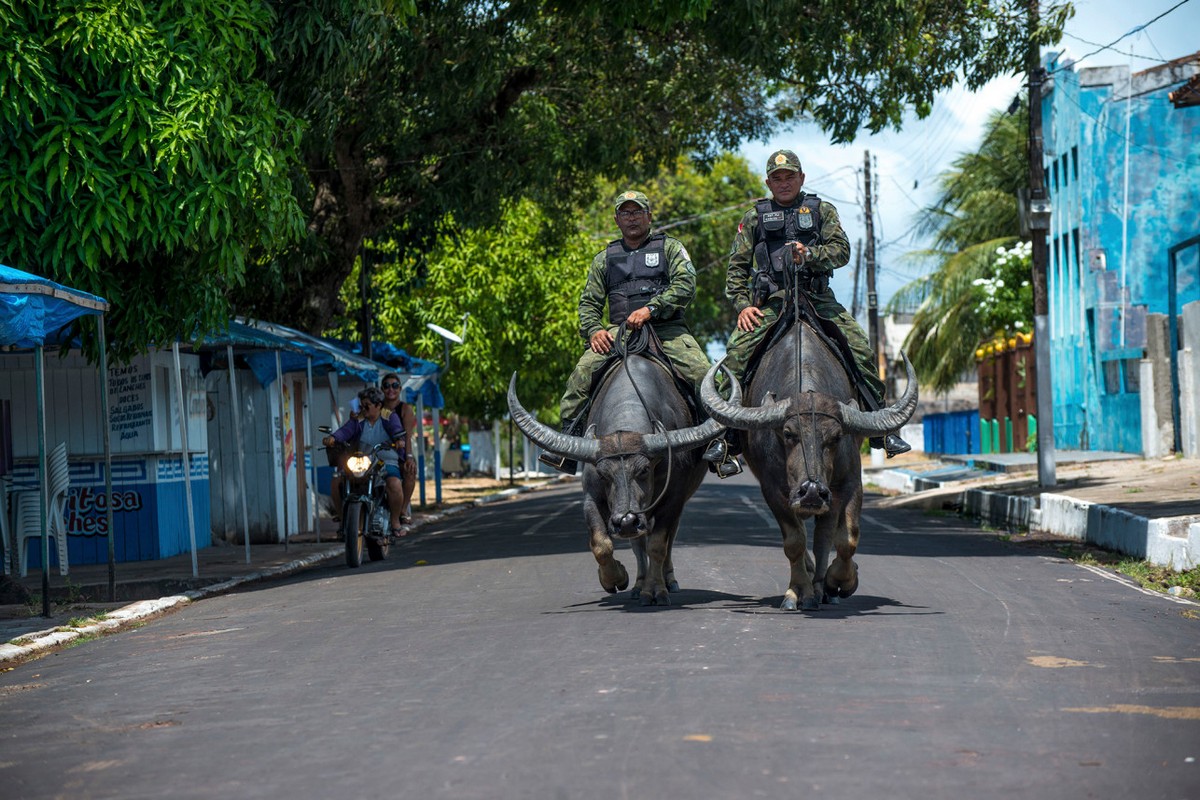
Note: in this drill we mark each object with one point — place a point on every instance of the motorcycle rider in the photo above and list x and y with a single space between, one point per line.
375 425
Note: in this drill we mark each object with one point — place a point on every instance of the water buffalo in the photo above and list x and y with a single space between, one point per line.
804 450
642 463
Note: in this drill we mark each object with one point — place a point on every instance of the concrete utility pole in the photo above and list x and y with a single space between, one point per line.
872 297
854 304
1039 223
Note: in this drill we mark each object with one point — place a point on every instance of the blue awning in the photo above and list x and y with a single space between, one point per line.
33 308
343 361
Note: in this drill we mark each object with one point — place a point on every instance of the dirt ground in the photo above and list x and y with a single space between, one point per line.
467 489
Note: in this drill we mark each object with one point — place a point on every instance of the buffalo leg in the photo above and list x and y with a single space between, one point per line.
841 579
668 564
612 573
654 590
643 566
795 547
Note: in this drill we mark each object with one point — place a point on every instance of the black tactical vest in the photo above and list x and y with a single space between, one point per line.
633 277
777 227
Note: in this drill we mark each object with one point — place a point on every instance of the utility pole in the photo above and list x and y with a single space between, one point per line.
854 305
872 297
1039 223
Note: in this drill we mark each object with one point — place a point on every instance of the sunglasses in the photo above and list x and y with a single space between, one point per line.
391 385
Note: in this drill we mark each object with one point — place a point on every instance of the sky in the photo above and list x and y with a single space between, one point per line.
905 164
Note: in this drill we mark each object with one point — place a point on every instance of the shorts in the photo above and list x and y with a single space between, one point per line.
392 471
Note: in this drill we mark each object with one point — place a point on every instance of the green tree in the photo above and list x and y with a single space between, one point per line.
979 286
521 291
455 110
141 159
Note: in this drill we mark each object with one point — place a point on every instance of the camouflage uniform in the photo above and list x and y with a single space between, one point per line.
665 315
832 251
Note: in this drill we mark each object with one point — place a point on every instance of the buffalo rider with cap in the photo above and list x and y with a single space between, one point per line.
641 278
756 284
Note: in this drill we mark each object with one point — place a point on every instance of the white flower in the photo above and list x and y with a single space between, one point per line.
1018 324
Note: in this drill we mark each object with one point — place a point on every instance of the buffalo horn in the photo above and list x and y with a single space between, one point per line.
545 437
885 420
732 413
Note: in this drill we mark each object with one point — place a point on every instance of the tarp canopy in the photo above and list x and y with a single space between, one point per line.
33 308
324 353
258 348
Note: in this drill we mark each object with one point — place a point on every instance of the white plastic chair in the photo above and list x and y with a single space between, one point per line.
28 522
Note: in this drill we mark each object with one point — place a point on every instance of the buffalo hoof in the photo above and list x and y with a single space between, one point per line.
618 585
673 585
788 604
810 603
660 599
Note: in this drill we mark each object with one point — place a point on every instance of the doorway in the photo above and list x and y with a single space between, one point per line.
1183 287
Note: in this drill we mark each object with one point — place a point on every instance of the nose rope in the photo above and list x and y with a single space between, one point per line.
632 344
808 475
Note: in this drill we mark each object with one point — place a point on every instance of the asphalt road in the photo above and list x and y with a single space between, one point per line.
483 660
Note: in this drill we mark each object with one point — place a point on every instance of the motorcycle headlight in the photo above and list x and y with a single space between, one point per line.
358 464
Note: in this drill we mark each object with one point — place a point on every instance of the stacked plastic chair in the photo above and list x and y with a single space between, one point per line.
28 523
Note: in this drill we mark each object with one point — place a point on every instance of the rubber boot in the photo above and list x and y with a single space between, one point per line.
559 462
891 444
721 455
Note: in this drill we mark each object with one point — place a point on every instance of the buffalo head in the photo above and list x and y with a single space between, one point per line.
628 468
816 434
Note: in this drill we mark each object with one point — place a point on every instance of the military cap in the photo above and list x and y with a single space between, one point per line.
783 159
636 197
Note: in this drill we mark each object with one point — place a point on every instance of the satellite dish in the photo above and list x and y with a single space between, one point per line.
445 334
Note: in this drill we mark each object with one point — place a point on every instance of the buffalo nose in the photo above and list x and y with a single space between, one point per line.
624 524
813 494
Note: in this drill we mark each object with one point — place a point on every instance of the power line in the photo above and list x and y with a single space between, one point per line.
1131 32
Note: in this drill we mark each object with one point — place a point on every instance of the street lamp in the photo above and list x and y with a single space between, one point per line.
447 338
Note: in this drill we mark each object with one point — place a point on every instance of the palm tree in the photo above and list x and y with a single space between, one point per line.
975 290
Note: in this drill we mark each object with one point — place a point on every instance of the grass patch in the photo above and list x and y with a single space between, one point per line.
1149 576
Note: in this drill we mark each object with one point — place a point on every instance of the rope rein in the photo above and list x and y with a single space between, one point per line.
631 344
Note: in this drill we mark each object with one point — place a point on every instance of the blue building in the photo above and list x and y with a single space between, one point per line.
1123 174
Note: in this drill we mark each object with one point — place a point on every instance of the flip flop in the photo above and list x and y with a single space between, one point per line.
396 533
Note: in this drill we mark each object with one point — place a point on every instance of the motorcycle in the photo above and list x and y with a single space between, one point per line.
364 502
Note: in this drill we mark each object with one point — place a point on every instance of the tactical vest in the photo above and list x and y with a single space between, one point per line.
777 226
633 278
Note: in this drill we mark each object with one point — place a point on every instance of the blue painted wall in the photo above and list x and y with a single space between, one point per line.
1123 172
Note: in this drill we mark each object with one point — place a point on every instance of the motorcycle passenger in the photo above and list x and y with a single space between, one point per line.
377 425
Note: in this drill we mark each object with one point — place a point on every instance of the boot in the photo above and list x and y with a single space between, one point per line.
562 463
721 455
891 444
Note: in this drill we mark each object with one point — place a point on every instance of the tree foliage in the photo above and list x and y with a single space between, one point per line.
521 287
979 287
142 160
456 109
521 292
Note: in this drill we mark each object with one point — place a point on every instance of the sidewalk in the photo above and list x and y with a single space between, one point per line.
145 589
1149 509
